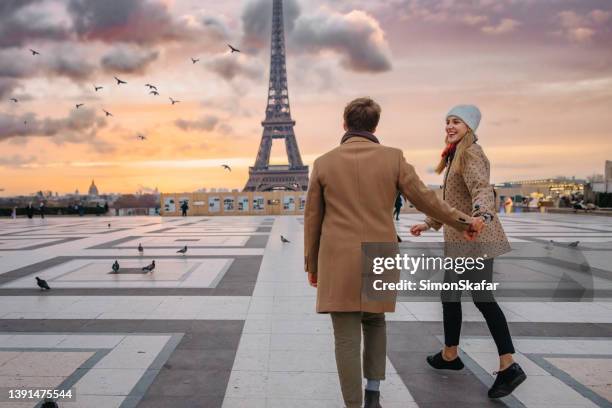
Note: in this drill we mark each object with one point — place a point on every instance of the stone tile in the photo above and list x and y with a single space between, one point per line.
108 381
44 363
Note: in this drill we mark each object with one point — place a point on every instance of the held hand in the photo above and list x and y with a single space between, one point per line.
312 279
418 228
474 229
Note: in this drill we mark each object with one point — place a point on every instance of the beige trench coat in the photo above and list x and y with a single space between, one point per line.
472 193
351 194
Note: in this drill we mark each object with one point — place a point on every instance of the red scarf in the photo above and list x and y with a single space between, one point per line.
449 150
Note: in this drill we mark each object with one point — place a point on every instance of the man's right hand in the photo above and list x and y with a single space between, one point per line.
474 229
418 228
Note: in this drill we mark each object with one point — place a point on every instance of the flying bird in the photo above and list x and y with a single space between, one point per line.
284 240
149 268
14 100
151 86
573 244
119 81
140 249
107 113
78 105
226 167
142 137
116 267
194 60
182 250
173 101
34 52
233 49
42 284
154 93
97 88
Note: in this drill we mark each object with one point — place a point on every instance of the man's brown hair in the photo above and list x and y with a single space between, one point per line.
362 114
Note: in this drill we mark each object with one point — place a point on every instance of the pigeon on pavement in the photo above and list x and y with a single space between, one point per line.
42 284
149 268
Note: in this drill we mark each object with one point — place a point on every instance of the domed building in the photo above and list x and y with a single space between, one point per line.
93 190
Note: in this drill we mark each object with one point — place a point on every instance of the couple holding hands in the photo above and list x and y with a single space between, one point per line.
351 193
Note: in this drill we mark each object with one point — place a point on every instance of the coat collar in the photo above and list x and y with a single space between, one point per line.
362 134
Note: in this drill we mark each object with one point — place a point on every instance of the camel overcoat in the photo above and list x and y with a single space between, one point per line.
472 193
350 197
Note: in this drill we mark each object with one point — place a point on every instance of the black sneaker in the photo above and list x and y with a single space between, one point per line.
507 380
437 362
371 399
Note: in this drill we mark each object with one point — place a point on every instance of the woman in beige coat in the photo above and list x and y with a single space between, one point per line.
467 188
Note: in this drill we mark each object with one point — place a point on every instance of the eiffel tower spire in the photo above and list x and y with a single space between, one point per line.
278 123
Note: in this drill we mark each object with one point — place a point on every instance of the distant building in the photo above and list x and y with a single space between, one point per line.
605 184
93 190
550 188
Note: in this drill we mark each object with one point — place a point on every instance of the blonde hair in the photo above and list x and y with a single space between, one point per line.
459 158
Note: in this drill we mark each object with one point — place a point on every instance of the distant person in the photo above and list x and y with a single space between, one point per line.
184 208
467 187
14 213
341 213
508 205
106 207
30 210
41 208
398 206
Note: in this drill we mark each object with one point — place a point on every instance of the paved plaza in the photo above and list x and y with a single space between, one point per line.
231 323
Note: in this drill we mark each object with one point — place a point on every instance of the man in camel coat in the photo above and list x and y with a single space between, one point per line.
352 189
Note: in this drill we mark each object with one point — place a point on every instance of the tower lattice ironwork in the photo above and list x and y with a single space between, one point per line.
278 123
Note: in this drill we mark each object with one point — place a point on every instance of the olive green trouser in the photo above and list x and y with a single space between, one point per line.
347 334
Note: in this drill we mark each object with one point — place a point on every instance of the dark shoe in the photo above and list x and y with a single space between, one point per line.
507 380
437 362
372 399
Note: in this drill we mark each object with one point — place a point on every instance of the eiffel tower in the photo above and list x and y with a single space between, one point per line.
278 124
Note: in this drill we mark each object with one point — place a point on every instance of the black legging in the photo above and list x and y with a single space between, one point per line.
484 301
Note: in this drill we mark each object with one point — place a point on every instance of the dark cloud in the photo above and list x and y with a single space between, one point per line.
207 123
356 36
7 86
135 21
215 27
80 126
63 60
230 66
70 66
14 63
128 60
23 21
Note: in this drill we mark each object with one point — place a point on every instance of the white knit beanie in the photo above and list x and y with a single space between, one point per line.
469 114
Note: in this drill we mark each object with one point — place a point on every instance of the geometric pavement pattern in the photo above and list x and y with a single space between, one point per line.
232 322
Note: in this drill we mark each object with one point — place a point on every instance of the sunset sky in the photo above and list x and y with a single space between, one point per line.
540 71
